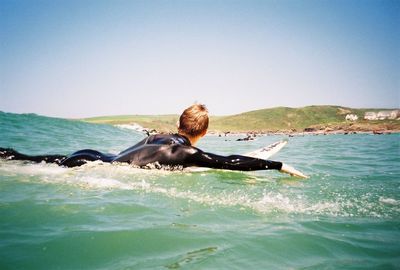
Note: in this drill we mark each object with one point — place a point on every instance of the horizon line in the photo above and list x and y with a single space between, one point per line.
219 115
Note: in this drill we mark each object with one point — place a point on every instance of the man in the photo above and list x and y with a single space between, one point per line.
166 149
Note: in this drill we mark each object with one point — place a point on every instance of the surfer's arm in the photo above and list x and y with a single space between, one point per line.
233 162
186 156
11 154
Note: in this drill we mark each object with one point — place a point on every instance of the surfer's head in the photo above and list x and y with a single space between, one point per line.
193 122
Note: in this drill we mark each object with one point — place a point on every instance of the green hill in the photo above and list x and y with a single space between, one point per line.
265 120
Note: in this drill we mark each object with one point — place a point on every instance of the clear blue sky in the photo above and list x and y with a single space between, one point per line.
88 58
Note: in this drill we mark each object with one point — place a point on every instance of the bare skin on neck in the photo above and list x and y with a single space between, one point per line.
193 139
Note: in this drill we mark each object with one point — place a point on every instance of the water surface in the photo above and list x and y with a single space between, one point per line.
108 216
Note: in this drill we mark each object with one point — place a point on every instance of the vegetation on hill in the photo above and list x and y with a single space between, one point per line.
265 120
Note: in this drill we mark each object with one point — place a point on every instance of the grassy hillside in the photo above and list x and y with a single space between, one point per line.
281 118
296 119
274 119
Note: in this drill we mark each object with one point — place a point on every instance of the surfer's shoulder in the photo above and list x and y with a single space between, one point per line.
168 139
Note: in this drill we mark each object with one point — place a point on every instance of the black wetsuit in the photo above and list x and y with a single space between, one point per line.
171 150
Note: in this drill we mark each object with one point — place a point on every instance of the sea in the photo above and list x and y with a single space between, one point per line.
114 216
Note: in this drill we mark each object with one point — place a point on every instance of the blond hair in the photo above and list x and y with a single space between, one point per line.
194 120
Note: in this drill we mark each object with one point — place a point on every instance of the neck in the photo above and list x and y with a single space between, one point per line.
193 140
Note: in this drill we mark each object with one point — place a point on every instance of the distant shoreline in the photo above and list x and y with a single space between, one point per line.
280 120
295 134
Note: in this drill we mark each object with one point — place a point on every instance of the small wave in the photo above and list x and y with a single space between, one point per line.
199 188
192 257
134 126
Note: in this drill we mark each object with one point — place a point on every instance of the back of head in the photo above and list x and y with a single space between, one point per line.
194 121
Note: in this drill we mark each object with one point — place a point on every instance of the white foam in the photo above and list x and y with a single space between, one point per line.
108 183
133 126
99 175
31 169
389 201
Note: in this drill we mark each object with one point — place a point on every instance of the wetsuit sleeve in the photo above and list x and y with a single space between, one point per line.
233 162
11 154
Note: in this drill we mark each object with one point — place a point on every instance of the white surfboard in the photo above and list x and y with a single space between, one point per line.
267 151
262 153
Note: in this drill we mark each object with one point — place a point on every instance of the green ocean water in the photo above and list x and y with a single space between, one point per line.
108 216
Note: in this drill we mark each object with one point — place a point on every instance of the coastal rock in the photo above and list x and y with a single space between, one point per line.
309 129
250 137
